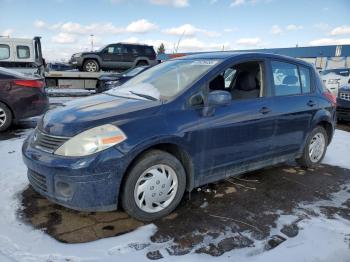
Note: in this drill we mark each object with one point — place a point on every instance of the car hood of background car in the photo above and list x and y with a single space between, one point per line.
82 114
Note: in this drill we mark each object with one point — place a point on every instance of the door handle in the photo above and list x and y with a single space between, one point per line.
311 103
265 110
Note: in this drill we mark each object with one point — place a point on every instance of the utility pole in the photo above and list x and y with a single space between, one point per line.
92 43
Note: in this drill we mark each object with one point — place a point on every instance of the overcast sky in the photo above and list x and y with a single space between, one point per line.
66 25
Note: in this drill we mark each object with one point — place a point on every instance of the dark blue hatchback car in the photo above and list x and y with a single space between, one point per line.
181 124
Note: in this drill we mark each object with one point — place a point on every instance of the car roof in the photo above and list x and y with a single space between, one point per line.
222 55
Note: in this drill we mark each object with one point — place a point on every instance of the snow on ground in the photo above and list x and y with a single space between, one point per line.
320 239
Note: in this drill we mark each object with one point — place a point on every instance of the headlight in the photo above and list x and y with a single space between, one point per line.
333 81
112 82
91 141
77 55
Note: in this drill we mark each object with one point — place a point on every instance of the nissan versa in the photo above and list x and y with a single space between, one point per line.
181 124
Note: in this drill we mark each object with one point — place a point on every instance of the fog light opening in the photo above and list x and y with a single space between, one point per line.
64 189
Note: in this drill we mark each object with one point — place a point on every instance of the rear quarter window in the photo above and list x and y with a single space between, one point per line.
305 77
4 51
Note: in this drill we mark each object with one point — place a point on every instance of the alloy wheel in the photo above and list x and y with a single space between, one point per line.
3 117
156 188
91 67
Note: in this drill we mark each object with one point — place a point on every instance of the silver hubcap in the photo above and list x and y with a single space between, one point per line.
2 117
156 188
317 147
91 67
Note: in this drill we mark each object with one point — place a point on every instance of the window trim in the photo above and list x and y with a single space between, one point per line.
9 48
17 49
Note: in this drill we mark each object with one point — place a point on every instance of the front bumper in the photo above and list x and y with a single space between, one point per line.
343 109
76 62
86 183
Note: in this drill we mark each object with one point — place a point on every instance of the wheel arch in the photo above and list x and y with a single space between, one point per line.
10 108
172 148
325 119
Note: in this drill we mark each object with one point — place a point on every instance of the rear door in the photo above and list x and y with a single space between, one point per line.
294 105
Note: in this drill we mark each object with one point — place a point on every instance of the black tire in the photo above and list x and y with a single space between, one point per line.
141 63
148 160
305 160
5 117
91 65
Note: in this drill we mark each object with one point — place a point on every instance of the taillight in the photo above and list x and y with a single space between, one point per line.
30 83
330 97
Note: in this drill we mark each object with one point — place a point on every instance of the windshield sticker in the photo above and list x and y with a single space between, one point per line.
205 62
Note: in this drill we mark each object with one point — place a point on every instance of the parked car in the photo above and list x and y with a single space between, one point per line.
109 81
59 67
334 78
21 96
178 126
115 56
343 103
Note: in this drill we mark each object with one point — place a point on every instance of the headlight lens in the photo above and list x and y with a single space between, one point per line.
112 82
77 55
333 81
91 141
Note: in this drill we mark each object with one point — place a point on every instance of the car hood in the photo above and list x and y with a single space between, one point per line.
82 114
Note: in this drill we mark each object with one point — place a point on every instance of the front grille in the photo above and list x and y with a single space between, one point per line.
47 142
345 96
38 181
343 110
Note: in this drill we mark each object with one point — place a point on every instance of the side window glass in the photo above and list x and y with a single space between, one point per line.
4 52
285 78
305 79
110 49
23 52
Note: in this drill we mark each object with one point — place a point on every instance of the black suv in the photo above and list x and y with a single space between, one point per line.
114 56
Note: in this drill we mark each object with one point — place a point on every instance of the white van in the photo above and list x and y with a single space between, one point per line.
22 55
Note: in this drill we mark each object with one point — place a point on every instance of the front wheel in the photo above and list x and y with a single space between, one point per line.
315 148
91 66
154 186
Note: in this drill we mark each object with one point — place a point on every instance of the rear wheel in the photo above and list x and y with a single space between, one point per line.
91 66
315 148
154 186
5 117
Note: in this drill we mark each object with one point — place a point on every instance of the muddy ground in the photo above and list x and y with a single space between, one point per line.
213 219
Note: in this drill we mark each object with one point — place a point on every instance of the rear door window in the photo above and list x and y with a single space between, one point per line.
286 78
305 78
4 51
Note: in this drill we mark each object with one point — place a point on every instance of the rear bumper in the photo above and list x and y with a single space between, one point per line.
86 183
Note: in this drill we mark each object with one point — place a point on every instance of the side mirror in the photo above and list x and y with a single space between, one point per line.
216 98
219 98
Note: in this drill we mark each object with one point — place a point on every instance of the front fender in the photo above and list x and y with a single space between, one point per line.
95 57
131 153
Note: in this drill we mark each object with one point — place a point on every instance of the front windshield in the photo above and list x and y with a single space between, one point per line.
134 71
101 48
166 80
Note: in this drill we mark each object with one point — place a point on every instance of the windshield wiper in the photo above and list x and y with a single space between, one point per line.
144 96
